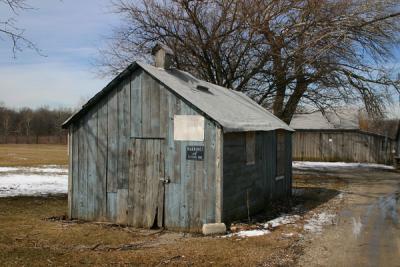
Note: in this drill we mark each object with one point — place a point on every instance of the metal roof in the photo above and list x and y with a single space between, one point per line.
341 119
233 110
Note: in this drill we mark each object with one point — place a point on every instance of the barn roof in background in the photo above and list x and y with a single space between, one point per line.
389 128
233 110
346 119
341 119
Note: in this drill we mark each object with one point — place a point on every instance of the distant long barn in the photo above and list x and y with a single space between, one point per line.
159 147
341 137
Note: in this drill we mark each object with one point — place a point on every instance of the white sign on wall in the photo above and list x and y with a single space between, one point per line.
188 128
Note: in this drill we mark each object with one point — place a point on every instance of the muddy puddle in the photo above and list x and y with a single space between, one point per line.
367 230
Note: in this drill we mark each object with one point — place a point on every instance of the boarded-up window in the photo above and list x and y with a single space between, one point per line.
250 148
188 128
280 153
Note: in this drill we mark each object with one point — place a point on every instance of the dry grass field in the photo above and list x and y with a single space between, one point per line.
34 231
27 238
32 155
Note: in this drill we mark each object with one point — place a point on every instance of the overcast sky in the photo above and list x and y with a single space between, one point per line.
69 33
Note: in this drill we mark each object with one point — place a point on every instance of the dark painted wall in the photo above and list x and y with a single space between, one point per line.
250 187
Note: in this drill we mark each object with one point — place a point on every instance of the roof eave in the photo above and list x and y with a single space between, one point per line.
99 95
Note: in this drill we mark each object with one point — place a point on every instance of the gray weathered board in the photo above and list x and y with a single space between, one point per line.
102 141
124 146
342 145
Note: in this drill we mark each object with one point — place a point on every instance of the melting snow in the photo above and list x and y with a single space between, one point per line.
33 181
250 233
316 223
284 219
306 165
357 226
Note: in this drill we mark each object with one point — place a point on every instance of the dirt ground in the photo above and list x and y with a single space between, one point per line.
34 232
32 155
27 238
364 231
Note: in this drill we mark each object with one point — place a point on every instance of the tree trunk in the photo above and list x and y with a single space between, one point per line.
291 105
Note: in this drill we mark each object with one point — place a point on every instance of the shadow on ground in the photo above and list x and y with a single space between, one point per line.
303 200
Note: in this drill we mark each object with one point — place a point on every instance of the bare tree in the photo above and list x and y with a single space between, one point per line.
26 115
9 29
326 53
285 54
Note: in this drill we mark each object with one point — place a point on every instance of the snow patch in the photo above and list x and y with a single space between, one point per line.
316 223
40 169
251 233
33 181
284 219
357 226
307 165
287 235
248 233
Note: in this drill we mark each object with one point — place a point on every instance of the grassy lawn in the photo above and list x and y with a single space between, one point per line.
32 155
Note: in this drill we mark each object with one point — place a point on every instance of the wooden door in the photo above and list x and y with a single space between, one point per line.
146 187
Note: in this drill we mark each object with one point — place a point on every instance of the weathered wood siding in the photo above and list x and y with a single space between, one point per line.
101 143
346 146
248 188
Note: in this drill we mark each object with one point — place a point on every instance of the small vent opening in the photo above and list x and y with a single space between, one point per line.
202 88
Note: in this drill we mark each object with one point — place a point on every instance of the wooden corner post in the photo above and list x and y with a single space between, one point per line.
219 175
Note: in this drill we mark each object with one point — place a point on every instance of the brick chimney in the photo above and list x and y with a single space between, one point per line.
162 56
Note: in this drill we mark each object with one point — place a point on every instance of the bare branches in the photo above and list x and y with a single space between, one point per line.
10 31
284 53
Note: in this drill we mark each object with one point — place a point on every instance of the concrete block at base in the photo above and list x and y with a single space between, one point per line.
214 228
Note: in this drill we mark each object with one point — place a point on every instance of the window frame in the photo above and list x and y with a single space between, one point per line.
280 155
250 147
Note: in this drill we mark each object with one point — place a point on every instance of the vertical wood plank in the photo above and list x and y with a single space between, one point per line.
164 112
122 206
208 207
161 186
83 170
136 104
147 82
219 175
112 141
172 168
101 163
75 171
112 206
155 115
91 133
123 133
138 185
131 182
70 170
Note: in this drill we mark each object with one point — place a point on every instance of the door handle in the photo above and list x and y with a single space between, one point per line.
165 180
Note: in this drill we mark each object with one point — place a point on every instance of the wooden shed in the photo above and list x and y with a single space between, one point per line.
342 137
159 147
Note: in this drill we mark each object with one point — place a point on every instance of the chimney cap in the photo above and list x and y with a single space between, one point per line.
161 46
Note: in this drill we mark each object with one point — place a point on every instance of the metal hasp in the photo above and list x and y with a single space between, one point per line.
165 180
